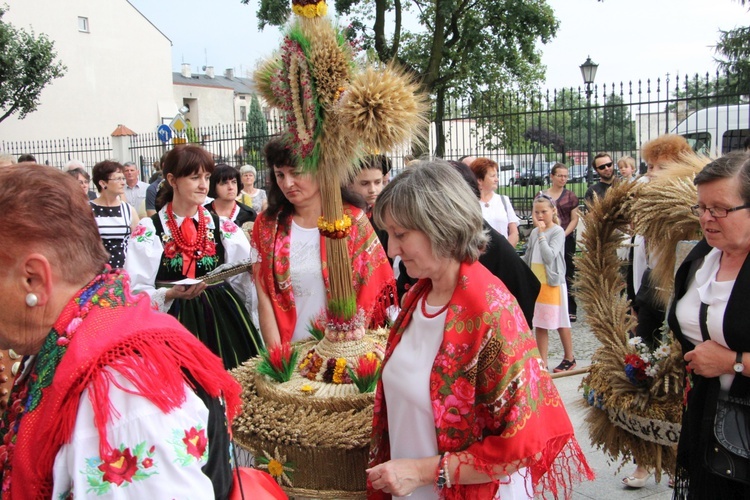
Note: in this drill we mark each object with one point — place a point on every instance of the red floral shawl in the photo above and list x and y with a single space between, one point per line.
371 271
490 396
150 349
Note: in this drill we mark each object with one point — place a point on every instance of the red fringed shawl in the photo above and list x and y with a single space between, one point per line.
149 349
371 272
490 396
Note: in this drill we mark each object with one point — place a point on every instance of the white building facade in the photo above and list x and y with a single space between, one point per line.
118 70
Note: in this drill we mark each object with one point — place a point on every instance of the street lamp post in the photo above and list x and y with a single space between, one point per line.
588 71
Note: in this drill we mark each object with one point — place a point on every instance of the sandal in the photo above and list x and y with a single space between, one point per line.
572 318
565 366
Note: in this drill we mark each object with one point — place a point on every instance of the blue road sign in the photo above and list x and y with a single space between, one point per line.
164 132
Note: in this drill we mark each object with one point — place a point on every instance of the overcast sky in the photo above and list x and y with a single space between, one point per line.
629 39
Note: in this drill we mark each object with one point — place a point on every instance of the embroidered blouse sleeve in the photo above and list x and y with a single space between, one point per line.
237 248
142 263
156 455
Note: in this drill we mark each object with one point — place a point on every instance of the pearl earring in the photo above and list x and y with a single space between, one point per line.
31 300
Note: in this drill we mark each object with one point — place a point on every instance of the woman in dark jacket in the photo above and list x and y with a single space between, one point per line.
708 316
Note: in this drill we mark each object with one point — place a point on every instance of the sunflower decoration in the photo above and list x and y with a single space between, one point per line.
277 467
634 392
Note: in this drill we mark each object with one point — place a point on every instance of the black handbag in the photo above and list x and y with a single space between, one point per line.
728 451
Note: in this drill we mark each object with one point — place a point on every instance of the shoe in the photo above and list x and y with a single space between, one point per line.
634 482
565 366
572 318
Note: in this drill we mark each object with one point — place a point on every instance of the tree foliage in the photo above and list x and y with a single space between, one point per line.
734 51
256 132
27 65
459 46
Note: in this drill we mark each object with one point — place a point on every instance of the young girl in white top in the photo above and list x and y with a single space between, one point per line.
545 255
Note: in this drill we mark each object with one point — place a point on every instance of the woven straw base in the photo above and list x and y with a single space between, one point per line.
323 434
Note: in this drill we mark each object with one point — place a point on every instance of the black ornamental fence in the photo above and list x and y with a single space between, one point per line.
525 132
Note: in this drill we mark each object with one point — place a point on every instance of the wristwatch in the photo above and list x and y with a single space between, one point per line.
738 366
441 480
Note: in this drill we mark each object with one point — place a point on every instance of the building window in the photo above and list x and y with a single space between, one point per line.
243 113
83 24
242 98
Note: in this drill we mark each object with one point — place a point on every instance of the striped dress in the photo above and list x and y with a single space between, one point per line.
114 228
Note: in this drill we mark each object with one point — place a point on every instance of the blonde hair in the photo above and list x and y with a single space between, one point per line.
543 198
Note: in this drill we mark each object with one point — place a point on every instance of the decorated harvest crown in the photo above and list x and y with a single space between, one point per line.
335 112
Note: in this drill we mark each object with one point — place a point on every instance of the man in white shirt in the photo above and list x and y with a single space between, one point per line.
135 189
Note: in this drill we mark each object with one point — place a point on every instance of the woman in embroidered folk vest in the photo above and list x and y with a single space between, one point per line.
113 399
183 240
709 317
464 408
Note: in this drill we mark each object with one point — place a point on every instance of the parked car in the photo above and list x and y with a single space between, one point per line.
578 173
535 175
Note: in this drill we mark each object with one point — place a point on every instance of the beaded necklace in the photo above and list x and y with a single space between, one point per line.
105 290
199 245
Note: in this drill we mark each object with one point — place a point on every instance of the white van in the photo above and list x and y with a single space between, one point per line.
716 130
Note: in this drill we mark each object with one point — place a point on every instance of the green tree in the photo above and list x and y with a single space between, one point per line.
461 45
27 65
256 132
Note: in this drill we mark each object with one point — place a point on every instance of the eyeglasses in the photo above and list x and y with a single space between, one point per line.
716 213
604 165
116 179
561 176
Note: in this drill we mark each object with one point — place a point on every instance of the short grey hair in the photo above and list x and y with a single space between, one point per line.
130 163
73 164
248 168
732 165
433 198
6 159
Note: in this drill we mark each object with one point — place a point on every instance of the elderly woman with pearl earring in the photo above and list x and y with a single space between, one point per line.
110 393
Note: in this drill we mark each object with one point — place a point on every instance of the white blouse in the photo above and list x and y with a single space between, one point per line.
703 287
156 460
306 270
496 215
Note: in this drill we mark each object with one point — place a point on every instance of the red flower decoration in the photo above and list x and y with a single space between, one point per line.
209 248
120 466
228 226
147 462
170 249
196 442
138 231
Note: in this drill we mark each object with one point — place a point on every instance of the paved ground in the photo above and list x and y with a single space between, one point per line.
607 485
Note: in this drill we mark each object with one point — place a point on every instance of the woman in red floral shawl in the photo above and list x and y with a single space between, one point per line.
291 275
112 399
464 408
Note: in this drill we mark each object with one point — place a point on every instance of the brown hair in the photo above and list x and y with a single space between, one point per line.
481 165
103 170
182 161
62 228
556 167
668 147
600 155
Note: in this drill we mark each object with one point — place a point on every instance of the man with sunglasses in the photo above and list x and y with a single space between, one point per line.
605 167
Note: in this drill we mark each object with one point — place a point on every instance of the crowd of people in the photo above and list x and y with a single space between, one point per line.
433 251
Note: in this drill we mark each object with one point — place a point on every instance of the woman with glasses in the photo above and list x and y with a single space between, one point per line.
567 211
708 315
115 218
